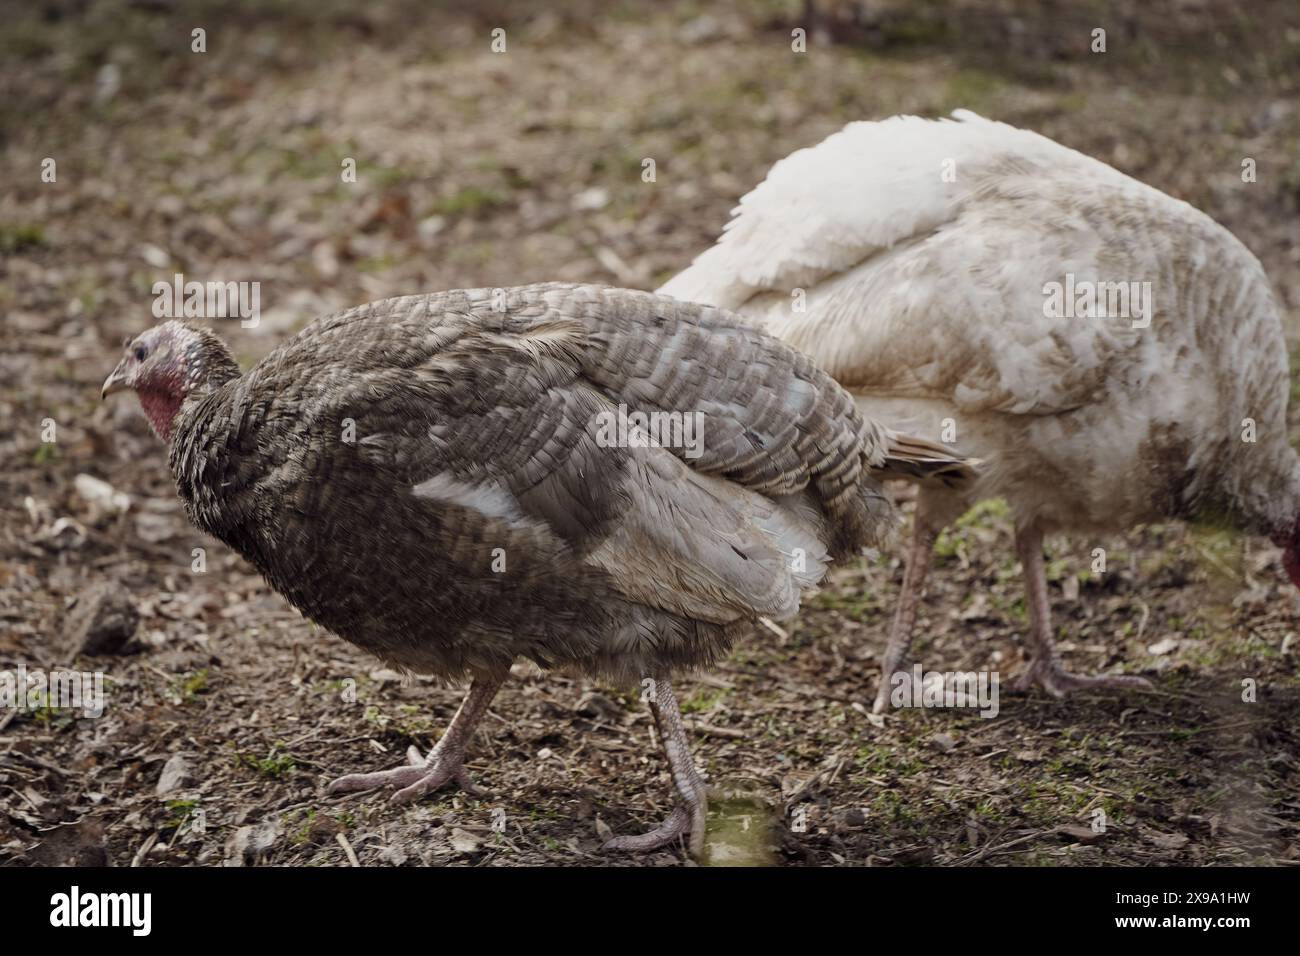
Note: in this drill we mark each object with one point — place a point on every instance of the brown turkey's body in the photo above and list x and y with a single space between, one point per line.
432 478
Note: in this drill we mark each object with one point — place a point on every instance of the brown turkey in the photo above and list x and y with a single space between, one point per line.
435 479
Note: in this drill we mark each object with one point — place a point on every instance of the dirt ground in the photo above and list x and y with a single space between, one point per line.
481 169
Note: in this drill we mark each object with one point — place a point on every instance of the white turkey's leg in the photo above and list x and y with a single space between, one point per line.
446 761
687 818
919 555
1045 669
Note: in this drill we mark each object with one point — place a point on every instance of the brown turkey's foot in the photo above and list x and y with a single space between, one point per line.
446 761
688 816
418 778
1059 682
682 822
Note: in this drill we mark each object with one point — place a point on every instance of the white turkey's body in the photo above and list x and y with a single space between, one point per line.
934 302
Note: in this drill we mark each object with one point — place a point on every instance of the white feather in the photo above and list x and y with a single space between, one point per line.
922 250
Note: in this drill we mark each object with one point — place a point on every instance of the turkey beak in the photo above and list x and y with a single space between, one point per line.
116 381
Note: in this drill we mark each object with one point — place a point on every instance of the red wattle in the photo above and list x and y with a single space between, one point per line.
160 408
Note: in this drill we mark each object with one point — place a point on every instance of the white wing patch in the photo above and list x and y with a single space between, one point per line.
490 500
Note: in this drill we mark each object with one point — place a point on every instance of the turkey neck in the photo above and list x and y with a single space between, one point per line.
209 364
1268 489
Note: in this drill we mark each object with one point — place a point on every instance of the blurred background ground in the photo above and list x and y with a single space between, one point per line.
482 169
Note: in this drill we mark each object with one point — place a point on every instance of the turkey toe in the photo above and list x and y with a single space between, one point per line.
1059 682
397 777
413 782
682 822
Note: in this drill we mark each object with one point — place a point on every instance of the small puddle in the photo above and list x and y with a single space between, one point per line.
739 834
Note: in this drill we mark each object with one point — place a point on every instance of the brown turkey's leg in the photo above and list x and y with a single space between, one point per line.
1045 670
687 818
919 555
446 761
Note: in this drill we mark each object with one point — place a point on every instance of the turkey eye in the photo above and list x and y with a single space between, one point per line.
140 353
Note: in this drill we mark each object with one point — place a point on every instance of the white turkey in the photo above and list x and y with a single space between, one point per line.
1112 354
442 480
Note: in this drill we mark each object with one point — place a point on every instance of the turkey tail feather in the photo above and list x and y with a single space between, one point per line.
920 460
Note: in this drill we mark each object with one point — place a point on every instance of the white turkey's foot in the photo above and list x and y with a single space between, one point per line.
682 822
1059 682
900 632
418 778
